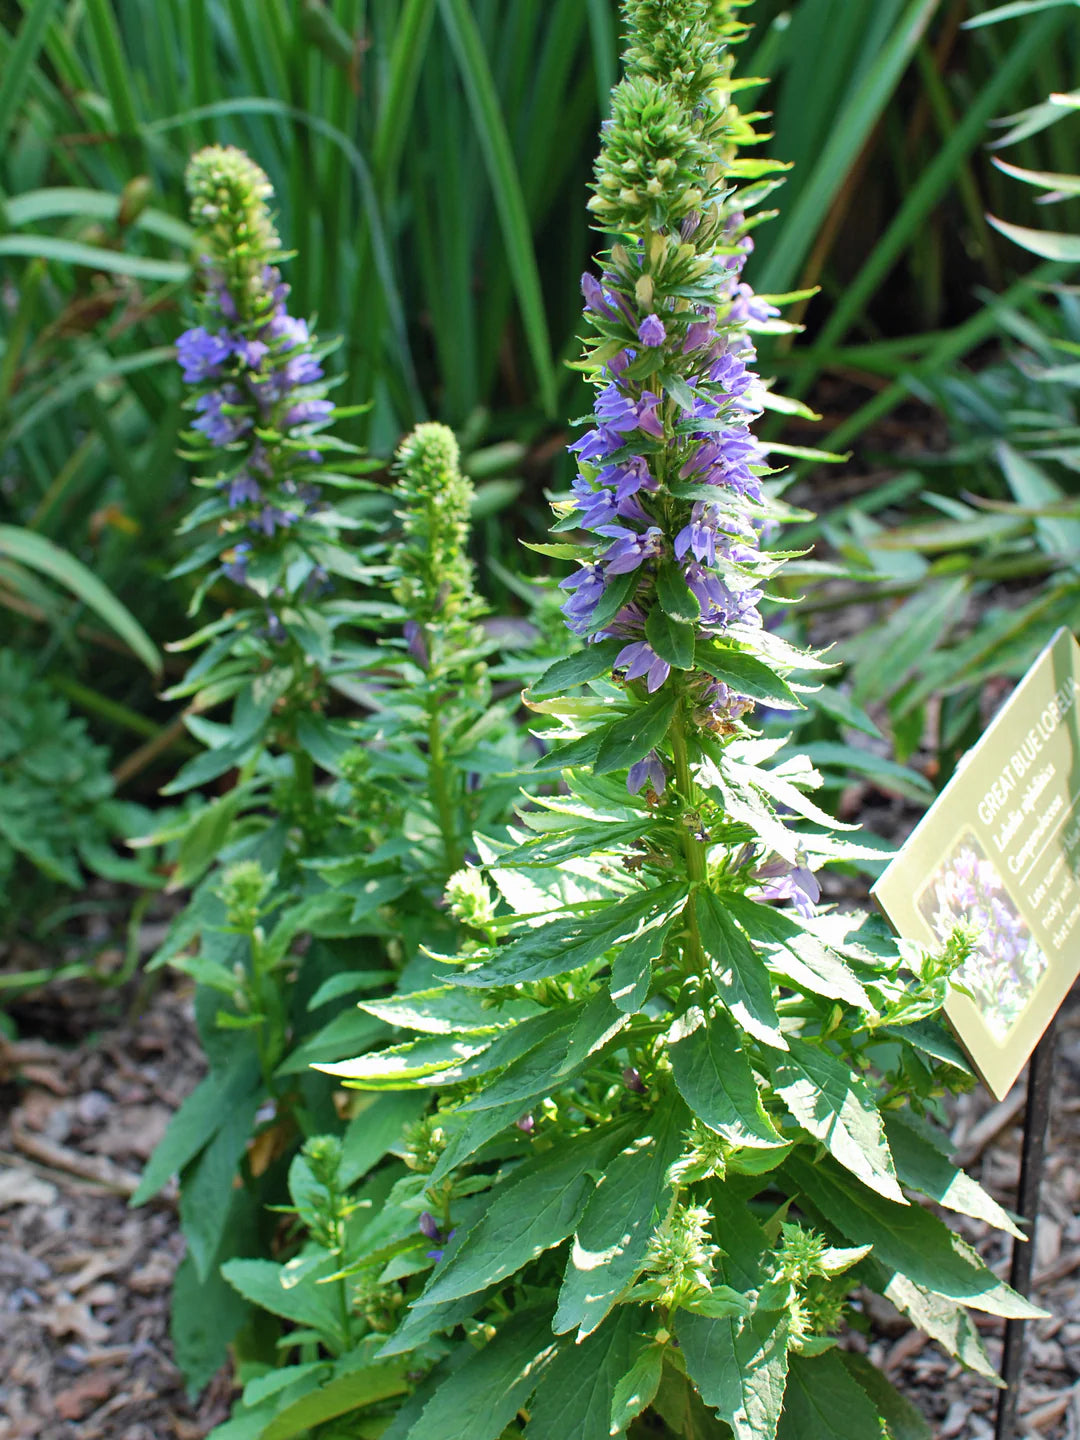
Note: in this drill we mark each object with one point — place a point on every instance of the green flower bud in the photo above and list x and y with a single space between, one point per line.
243 888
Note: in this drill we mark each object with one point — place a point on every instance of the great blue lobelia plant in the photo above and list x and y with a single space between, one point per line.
327 817
680 1124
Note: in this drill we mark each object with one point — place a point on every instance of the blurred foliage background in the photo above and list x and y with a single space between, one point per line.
431 159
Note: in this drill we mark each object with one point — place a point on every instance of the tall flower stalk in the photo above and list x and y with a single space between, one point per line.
677 1117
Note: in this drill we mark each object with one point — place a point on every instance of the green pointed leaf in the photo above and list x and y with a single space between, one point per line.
905 1422
260 1281
630 739
922 1165
618 591
943 1320
587 664
37 552
739 974
907 1240
673 640
834 1105
637 1388
574 1397
715 1079
739 1365
481 1397
675 595
564 945
610 1244
631 970
797 954
348 1389
747 675
534 1210
823 1400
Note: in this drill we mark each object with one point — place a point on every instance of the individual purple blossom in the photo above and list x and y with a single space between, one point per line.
244 490
641 659
202 354
272 518
630 549
218 427
588 585
307 412
236 568
785 881
651 331
650 770
429 1228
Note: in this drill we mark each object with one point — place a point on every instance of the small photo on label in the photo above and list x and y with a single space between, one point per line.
1007 965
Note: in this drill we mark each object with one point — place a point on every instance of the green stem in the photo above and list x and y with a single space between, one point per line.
692 848
441 800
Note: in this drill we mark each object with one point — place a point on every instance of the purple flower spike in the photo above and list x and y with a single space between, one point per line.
651 331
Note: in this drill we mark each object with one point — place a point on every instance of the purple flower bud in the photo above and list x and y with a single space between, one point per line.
428 1226
651 331
633 1081
650 769
526 1124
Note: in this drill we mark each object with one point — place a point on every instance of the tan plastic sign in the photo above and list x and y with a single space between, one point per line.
999 852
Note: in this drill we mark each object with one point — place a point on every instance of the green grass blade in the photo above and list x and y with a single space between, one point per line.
506 184
95 257
849 133
933 183
37 553
20 65
1014 11
114 65
85 374
410 45
605 48
1050 244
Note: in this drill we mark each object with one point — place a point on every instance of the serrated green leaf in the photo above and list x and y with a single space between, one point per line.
797 954
747 675
611 1240
907 1240
739 1365
631 970
534 1210
922 1166
618 591
834 1105
637 1388
823 1400
481 1397
564 945
739 974
714 1077
587 664
574 1398
631 738
672 640
348 1389
905 1422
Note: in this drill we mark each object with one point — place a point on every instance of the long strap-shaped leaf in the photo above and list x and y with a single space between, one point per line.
20 64
26 548
853 126
506 184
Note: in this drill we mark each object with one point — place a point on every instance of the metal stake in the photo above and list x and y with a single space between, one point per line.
1036 1122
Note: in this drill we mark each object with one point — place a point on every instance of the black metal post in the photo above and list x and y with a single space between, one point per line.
1036 1123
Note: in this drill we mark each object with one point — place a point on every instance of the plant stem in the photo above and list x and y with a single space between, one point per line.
692 848
441 801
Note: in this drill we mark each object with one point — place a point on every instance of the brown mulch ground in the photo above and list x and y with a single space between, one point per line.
84 1280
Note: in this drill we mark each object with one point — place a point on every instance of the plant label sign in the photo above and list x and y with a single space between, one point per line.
999 852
